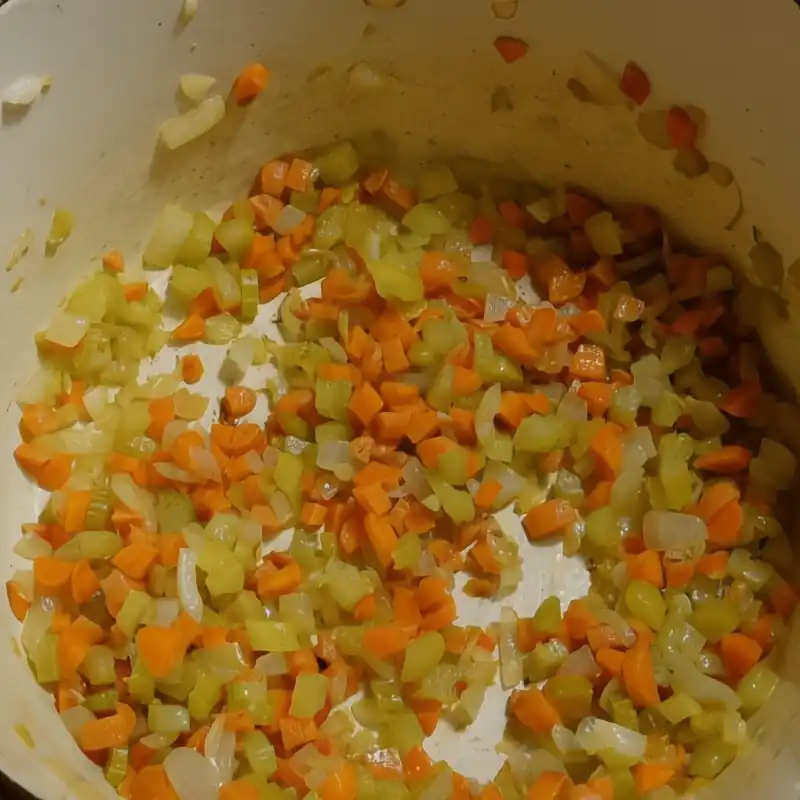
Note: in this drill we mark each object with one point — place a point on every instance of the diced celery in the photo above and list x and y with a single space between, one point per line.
174 511
102 702
236 236
715 618
396 276
245 606
288 473
624 713
267 636
98 666
248 284
494 367
338 164
646 603
345 584
141 684
224 574
309 695
426 220
679 707
179 684
117 766
205 695
541 434
167 719
98 545
435 182
421 355
710 758
197 245
440 395
136 608
603 527
547 619
404 733
408 551
297 610
756 687
440 684
454 466
457 504
422 655
545 660
251 696
571 695
260 753
624 785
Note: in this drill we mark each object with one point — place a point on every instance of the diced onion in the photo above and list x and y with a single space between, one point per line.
24 90
32 546
272 664
670 530
596 735
188 593
75 718
497 307
66 330
510 662
580 662
288 219
184 128
193 777
195 86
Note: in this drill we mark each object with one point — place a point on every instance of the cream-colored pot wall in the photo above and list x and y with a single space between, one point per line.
89 145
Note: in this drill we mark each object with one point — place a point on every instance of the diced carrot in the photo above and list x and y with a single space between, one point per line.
342 784
313 515
249 83
416 764
239 401
399 394
599 496
678 574
566 286
579 620
590 321
598 397
192 329
607 449
365 403
376 472
488 493
51 575
372 497
191 368
18 604
638 676
589 363
635 85
272 178
84 582
610 661
424 423
515 263
549 786
740 653
534 710
297 732
381 536
114 731
481 231
744 400
161 649
386 640
151 783
510 48
682 130
725 527
651 776
394 357
431 450
548 519
513 343
113 262
783 597
239 790
647 567
727 460
465 381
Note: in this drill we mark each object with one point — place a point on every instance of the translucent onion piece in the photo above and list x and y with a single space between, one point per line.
66 330
75 718
31 546
195 86
157 741
166 611
688 679
288 219
596 735
184 128
193 777
510 661
580 662
188 593
272 664
24 90
670 530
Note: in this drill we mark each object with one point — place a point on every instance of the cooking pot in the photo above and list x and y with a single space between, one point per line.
89 145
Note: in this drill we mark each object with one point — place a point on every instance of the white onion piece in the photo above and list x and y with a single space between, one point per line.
156 741
687 678
282 507
223 757
24 583
638 448
335 349
615 621
165 612
32 546
195 86
206 465
254 461
482 254
486 412
673 531
288 219
580 662
173 473
272 664
172 430
497 307
66 330
193 777
24 90
414 481
510 661
563 739
595 735
572 409
188 593
332 453
96 402
184 128
188 10
75 718
365 76
37 623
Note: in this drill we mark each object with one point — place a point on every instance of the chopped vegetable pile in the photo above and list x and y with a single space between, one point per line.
414 395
